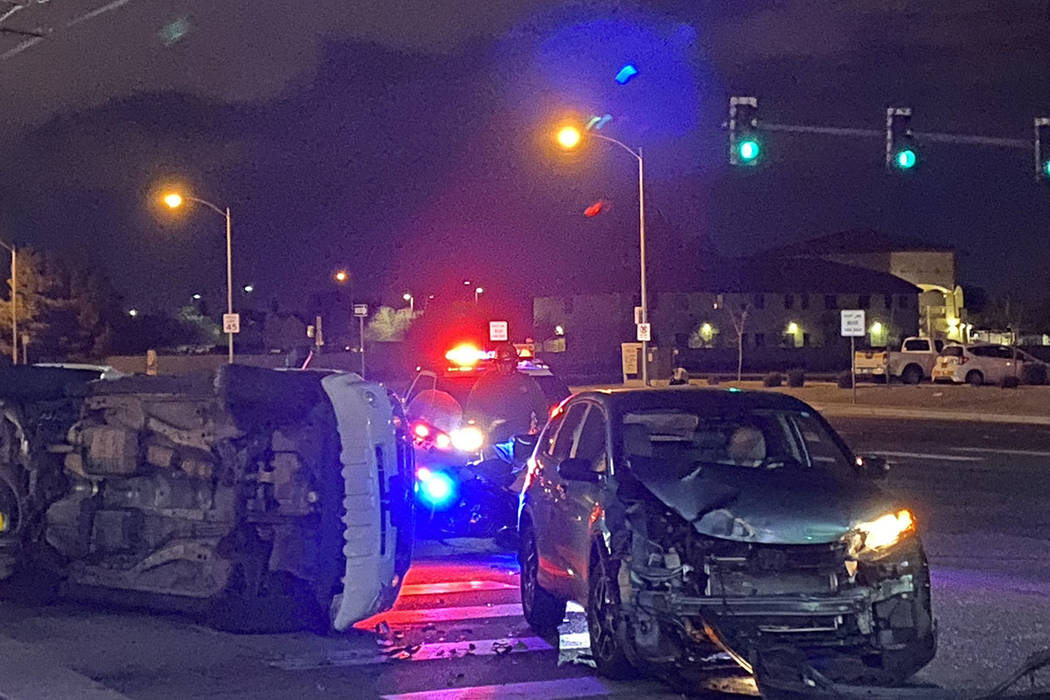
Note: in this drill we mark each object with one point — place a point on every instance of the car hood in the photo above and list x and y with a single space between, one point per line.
779 506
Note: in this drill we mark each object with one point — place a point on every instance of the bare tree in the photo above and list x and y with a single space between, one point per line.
739 319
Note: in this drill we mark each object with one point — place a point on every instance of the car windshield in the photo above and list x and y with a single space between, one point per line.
681 440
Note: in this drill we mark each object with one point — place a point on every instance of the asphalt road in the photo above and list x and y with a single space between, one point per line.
980 492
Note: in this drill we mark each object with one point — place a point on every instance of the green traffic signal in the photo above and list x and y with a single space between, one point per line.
748 150
1046 169
906 159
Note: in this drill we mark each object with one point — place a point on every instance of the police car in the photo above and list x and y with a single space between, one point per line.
434 406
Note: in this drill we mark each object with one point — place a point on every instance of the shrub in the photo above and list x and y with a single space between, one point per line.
1010 382
844 379
773 379
796 377
714 380
1032 373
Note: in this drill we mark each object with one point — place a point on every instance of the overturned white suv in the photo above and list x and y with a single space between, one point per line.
264 499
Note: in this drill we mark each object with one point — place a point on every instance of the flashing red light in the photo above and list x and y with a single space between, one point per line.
594 209
421 430
465 355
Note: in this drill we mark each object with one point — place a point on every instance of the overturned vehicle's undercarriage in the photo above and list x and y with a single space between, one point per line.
695 580
265 499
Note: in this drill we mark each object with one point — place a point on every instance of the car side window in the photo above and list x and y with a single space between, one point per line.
1005 353
550 435
591 443
980 351
567 433
917 344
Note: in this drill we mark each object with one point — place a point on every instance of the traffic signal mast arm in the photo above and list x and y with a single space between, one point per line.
925 136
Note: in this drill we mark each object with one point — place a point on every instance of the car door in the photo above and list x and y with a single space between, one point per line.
545 491
579 502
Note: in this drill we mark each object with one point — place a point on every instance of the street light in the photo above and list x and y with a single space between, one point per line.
478 292
569 137
14 302
174 200
411 301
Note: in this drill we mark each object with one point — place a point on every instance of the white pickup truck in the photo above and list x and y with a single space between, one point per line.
911 364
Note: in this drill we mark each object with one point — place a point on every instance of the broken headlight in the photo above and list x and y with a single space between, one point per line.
882 532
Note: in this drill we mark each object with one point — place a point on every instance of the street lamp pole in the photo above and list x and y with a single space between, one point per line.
14 302
174 200
641 242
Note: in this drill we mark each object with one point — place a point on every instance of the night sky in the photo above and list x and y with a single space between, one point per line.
410 141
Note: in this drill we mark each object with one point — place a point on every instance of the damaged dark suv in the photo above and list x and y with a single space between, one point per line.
697 523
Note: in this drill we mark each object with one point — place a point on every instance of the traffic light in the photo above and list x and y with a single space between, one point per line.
745 145
1042 149
901 153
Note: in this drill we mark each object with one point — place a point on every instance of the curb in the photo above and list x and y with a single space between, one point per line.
847 410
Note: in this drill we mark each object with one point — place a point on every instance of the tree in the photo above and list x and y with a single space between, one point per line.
66 308
389 325
739 319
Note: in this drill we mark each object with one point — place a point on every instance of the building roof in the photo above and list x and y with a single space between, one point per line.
858 241
799 275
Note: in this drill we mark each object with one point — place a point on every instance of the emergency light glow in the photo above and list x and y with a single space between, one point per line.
437 489
626 73
468 439
421 430
465 355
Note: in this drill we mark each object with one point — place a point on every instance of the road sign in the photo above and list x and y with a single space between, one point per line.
360 310
499 331
644 332
231 323
853 323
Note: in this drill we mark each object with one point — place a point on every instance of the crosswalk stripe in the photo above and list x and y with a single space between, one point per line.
447 587
582 686
998 451
467 612
575 641
924 455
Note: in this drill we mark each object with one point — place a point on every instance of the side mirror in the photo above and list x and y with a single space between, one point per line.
524 444
577 469
872 466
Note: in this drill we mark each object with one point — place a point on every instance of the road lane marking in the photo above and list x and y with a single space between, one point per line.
431 651
930 456
583 686
447 587
993 450
467 612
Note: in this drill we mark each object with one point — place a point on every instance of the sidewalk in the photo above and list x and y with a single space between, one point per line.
990 404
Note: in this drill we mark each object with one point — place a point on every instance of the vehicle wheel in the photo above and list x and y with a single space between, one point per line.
912 374
543 611
974 378
604 622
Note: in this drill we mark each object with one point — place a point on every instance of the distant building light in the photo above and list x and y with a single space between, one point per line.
133 313
792 328
559 330
876 328
248 288
196 297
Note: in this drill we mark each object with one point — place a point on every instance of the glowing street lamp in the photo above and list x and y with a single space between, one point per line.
411 301
569 137
174 200
478 292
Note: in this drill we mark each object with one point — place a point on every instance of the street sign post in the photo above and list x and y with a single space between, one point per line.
361 311
645 332
231 323
853 327
499 331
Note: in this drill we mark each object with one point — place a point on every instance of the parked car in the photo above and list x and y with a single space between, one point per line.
690 522
911 364
981 364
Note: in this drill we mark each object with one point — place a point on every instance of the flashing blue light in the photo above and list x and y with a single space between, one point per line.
436 489
626 73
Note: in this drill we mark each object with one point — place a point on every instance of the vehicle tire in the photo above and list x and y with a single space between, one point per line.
604 621
912 374
543 611
974 378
